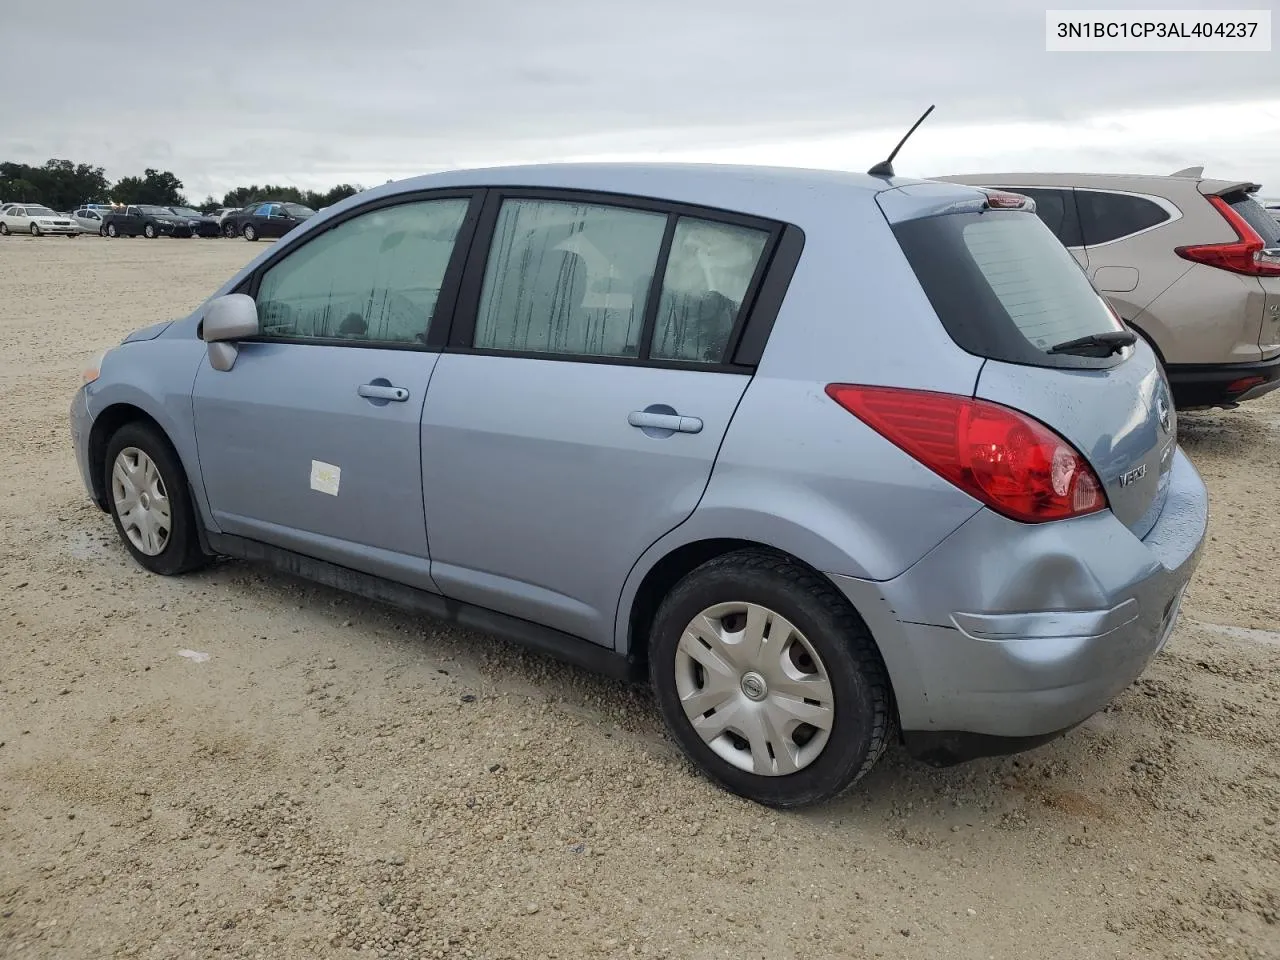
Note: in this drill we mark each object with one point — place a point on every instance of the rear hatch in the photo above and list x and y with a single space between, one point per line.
1256 252
1008 291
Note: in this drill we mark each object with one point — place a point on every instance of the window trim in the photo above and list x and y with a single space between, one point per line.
1168 206
460 335
445 304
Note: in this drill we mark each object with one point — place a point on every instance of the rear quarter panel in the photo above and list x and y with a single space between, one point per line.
796 471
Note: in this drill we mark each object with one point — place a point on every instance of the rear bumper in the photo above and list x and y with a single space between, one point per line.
1217 384
1008 634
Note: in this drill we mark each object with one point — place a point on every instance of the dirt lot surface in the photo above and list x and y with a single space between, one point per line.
340 780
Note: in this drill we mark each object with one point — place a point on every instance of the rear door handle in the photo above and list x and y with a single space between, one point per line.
382 391
647 419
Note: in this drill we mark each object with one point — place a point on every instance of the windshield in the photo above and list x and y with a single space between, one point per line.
298 210
1003 285
154 211
40 212
185 211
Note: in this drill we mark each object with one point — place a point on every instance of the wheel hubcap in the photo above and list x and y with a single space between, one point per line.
754 689
141 502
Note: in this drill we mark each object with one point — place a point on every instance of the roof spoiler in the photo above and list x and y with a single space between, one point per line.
1194 173
1220 188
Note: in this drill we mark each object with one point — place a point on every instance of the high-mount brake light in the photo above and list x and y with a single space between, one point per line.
1011 462
1003 200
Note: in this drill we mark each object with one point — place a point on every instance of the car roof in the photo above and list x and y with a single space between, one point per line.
1115 181
760 190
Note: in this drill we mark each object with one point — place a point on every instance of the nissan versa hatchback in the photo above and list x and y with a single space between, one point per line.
832 460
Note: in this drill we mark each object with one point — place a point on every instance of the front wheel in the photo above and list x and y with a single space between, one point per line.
250 233
149 232
150 501
769 680
35 230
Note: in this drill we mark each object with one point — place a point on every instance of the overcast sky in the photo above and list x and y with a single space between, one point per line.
315 92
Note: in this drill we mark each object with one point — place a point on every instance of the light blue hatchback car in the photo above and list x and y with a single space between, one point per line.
831 459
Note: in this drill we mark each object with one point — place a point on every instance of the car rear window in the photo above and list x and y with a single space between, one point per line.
1003 285
1257 216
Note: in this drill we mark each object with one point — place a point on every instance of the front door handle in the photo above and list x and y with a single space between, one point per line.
382 390
654 420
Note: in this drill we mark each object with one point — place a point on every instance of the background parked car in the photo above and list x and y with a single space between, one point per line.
146 219
201 226
89 219
222 213
35 219
1190 263
271 219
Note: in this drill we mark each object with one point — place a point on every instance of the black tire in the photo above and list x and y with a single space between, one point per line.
250 233
229 231
35 230
4 229
181 553
112 231
149 232
863 721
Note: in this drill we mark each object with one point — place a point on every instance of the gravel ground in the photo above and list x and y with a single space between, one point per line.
342 780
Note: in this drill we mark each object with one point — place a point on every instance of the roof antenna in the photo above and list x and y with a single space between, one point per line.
885 167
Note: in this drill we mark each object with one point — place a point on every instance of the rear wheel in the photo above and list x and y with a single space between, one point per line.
111 230
229 230
150 502
249 232
4 229
769 680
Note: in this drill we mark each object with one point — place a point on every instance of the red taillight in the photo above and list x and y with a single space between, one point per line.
1244 256
1243 384
1015 465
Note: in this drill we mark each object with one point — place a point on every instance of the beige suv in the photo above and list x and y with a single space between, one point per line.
1191 264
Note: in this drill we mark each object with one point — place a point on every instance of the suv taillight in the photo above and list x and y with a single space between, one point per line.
1244 256
1011 462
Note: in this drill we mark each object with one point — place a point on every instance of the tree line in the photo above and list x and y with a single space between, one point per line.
64 185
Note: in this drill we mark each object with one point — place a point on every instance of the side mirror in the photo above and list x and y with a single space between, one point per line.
228 319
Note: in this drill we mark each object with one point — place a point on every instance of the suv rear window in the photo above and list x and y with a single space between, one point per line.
1257 216
1003 285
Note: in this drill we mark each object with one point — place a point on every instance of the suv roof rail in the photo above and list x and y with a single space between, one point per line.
1196 172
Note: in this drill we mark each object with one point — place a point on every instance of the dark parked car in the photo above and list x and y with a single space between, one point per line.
201 226
269 219
147 219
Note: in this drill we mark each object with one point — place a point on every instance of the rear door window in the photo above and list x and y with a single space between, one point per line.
1057 208
1003 286
1105 217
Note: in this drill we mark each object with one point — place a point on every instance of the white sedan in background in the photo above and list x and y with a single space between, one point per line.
36 220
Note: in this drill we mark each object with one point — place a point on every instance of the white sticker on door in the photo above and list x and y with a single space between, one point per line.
325 477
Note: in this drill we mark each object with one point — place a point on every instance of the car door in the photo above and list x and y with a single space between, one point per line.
576 416
266 222
311 440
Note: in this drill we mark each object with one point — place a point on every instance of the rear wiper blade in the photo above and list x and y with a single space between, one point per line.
1111 341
